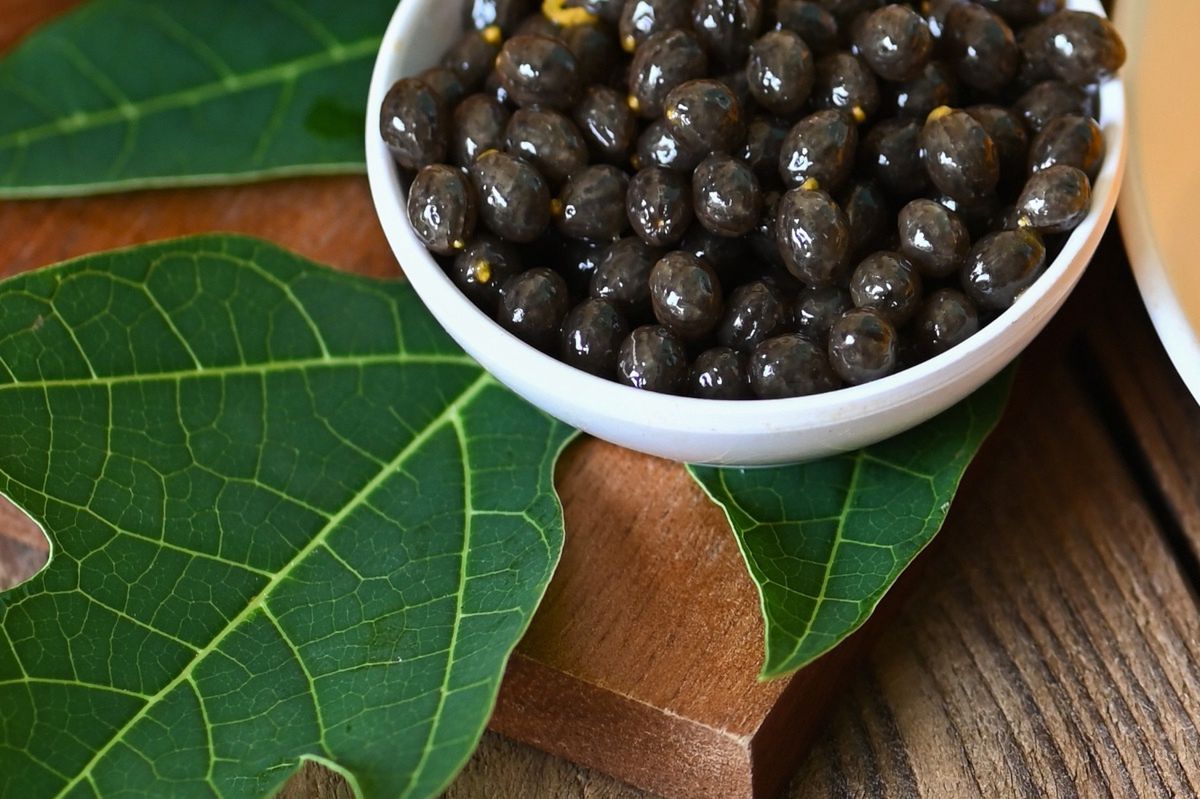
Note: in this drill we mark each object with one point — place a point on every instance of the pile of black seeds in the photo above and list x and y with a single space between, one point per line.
735 198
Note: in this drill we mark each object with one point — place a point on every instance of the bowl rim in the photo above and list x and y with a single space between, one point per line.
683 414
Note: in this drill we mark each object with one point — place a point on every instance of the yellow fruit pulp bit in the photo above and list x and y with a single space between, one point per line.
556 207
483 271
554 11
634 104
492 35
812 184
628 43
938 113
860 116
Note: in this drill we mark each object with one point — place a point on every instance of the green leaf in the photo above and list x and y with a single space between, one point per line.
824 541
290 520
125 94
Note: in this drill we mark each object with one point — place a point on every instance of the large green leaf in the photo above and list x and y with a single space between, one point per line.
824 541
137 93
290 520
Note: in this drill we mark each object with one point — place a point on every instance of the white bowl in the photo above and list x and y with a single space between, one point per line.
757 432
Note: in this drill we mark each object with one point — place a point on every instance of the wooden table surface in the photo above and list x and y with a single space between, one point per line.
1050 647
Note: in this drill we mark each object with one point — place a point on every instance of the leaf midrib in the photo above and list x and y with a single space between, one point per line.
301 364
233 84
447 415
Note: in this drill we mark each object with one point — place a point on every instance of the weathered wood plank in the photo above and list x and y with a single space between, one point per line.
1056 652
1160 412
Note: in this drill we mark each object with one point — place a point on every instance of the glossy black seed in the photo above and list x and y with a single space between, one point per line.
720 374
1001 266
868 216
1079 47
540 25
623 277
659 205
891 154
445 83
538 70
472 57
888 283
817 308
820 147
1070 141
662 62
494 86
591 337
764 140
756 311
442 208
813 236
727 27
847 10
725 195
514 200
763 240
812 21
863 346
592 204
574 259
935 12
1022 12
481 269
657 146
479 124
895 42
607 124
1049 100
705 114
976 215
1006 218
729 256
1008 133
947 318
594 49
960 157
981 46
548 140
505 14
685 293
790 366
651 358
935 87
414 125
607 10
845 82
641 19
1055 200
1035 62
933 238
780 72
737 83
532 307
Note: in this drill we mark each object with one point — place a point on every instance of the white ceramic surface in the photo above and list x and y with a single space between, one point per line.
706 431
1158 201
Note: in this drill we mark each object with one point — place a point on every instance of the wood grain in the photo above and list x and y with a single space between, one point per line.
1055 654
1151 397
642 660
